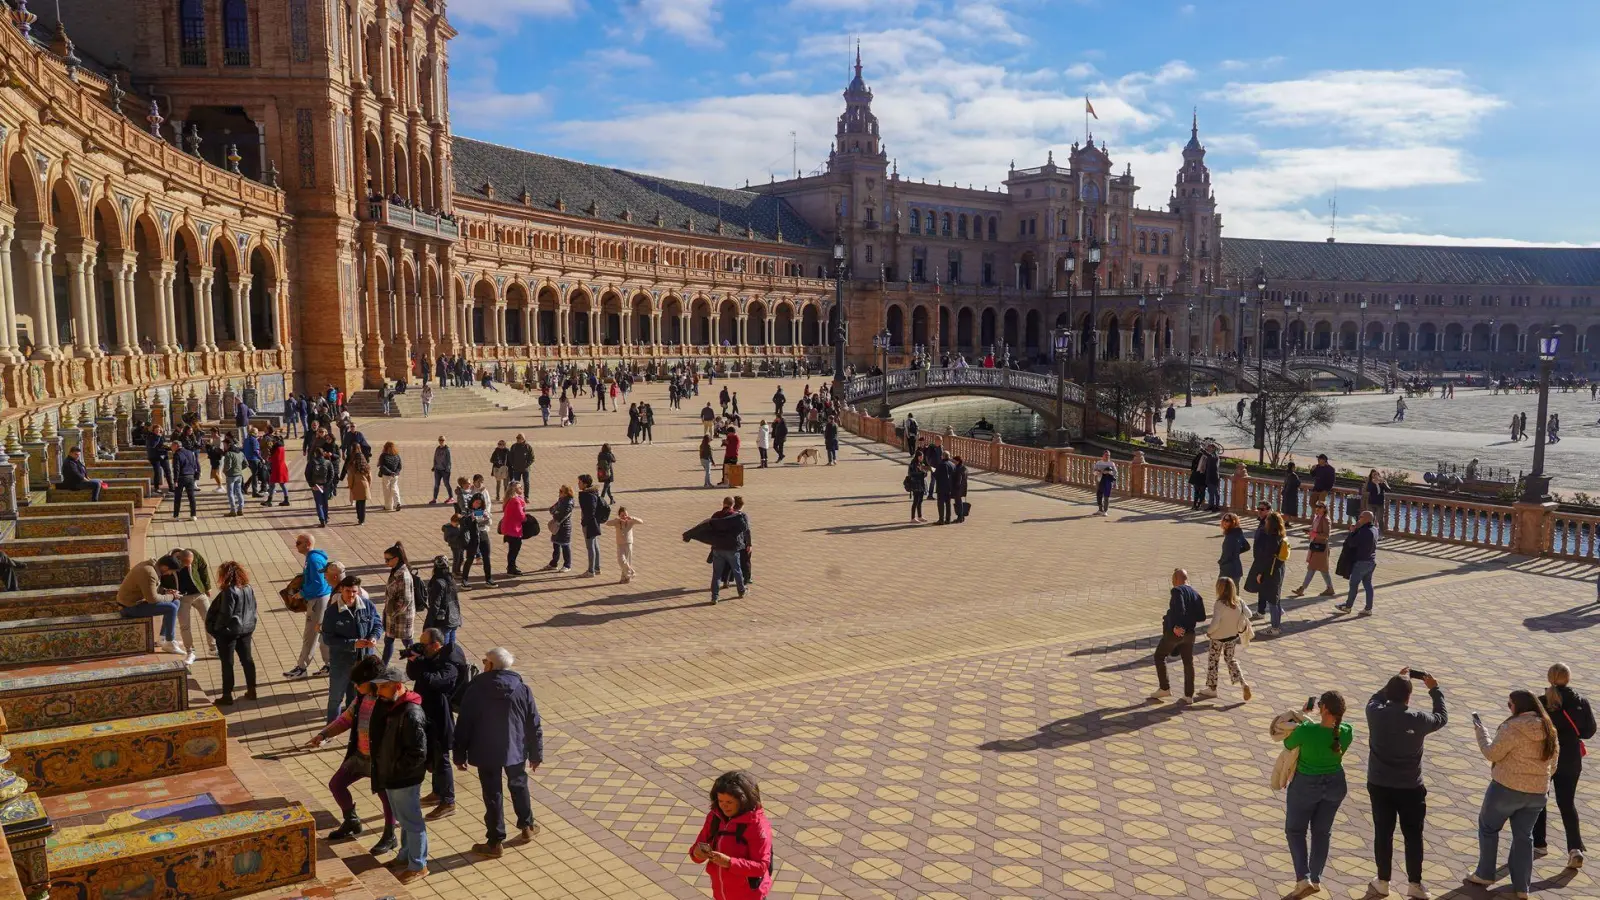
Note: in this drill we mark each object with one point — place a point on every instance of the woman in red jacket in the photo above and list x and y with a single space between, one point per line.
735 843
511 521
277 471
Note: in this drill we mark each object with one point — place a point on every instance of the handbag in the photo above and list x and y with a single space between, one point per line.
291 595
500 472
1319 547
1583 749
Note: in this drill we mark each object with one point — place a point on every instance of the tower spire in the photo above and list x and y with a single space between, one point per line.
858 58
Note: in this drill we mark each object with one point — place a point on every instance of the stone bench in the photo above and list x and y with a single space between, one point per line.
76 758
228 855
52 603
99 694
116 493
87 508
22 547
32 642
72 570
33 527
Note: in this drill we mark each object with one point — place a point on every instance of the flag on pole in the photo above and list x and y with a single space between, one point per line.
1089 108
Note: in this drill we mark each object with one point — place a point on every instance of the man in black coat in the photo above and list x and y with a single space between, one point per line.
780 433
401 757
438 668
932 454
186 473
944 482
156 452
75 476
500 733
588 509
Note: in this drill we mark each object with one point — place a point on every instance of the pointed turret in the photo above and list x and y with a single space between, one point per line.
1194 135
857 133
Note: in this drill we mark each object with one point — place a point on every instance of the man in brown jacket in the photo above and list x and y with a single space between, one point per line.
141 595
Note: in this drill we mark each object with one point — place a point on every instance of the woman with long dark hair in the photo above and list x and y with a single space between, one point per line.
1265 578
735 843
1317 789
561 530
399 602
605 471
1523 755
231 622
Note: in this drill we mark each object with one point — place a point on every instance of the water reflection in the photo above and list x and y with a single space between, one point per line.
1016 424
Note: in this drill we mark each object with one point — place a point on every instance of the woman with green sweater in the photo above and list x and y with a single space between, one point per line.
1317 789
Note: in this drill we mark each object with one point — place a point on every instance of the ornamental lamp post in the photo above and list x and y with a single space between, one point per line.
1394 347
1361 344
1188 339
1063 350
881 342
1536 487
1091 266
1144 329
1261 322
840 332
1071 263
1283 339
1243 302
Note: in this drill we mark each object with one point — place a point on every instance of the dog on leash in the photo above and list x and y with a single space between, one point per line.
810 455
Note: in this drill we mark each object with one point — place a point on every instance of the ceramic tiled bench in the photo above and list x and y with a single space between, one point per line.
83 757
49 603
28 642
95 694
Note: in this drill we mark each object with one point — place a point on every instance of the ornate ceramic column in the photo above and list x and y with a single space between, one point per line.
52 442
77 264
243 340
88 435
34 446
205 338
19 466
106 424
39 298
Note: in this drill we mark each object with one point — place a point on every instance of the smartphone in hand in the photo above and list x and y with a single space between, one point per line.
1311 703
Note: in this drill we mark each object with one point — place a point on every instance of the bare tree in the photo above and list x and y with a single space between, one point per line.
1128 388
1293 410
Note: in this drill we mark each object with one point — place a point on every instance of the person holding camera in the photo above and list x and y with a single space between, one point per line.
1523 755
438 667
1318 787
1394 774
735 843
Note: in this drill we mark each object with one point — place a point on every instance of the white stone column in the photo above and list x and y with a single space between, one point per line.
77 264
39 297
8 299
122 287
241 314
165 281
202 311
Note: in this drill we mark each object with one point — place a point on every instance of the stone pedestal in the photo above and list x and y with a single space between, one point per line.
53 450
140 414
8 489
26 828
124 425
1530 528
191 403
213 404
230 402
88 435
106 430
19 468
34 447
158 414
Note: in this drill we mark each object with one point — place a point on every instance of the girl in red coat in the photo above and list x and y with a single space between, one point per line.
735 843
277 471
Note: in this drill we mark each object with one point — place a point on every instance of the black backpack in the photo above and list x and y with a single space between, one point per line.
602 510
737 833
464 677
419 591
530 526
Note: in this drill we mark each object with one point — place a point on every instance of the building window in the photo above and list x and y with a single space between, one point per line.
918 272
946 229
869 253
961 226
1166 245
994 228
235 33
191 32
916 222
1141 242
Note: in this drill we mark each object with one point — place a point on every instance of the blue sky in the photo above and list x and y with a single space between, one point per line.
1437 122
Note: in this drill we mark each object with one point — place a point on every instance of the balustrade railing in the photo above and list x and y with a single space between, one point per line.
1036 383
1523 529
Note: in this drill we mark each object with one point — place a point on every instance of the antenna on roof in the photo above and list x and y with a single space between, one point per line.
794 152
1333 210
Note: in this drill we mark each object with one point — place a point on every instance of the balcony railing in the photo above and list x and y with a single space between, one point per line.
397 216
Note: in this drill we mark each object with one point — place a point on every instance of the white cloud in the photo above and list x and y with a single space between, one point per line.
491 109
1402 106
693 20
506 12
876 7
1080 70
611 59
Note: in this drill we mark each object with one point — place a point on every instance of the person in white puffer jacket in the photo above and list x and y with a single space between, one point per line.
1230 631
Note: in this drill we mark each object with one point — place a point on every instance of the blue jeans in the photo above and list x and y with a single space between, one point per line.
166 609
320 500
444 777
706 465
725 563
341 690
1499 804
1313 802
236 493
441 478
407 806
1361 574
494 815
592 544
561 554
270 487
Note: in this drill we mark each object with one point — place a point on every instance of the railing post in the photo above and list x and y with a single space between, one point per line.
994 452
1531 528
1241 489
1136 475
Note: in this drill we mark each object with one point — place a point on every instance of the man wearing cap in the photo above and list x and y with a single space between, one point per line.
400 758
1322 478
498 731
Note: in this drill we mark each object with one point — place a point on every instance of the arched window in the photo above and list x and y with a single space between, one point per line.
961 226
1166 244
946 225
235 33
1141 242
994 228
191 32
916 222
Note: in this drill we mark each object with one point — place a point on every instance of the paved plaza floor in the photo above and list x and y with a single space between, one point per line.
952 712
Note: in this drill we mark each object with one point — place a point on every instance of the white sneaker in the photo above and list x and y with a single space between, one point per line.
1304 888
1161 694
1207 694
1575 859
1472 878
1271 631
1415 891
1186 698
1379 888
176 646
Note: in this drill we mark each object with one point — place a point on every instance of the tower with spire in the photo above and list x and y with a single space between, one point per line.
1196 205
857 134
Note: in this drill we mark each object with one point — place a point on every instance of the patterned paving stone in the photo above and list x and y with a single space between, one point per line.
932 712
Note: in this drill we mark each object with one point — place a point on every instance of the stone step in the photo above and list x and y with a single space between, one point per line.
220 856
103 508
76 758
50 546
31 527
73 570
81 693
49 603
30 642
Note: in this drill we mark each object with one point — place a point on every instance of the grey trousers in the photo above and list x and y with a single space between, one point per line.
194 603
309 640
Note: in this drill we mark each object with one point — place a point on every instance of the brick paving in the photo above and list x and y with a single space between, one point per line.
932 712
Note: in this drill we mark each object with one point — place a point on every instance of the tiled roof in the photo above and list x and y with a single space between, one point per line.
617 196
1403 263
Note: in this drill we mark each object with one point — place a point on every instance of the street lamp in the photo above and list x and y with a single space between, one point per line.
840 333
1243 302
1261 321
1072 290
1063 349
1283 338
1361 344
1394 347
1144 330
1536 487
1188 339
1091 266
881 342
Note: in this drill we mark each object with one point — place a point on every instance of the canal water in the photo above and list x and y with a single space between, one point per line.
1016 424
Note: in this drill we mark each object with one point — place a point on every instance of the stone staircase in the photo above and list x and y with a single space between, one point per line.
446 402
133 786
